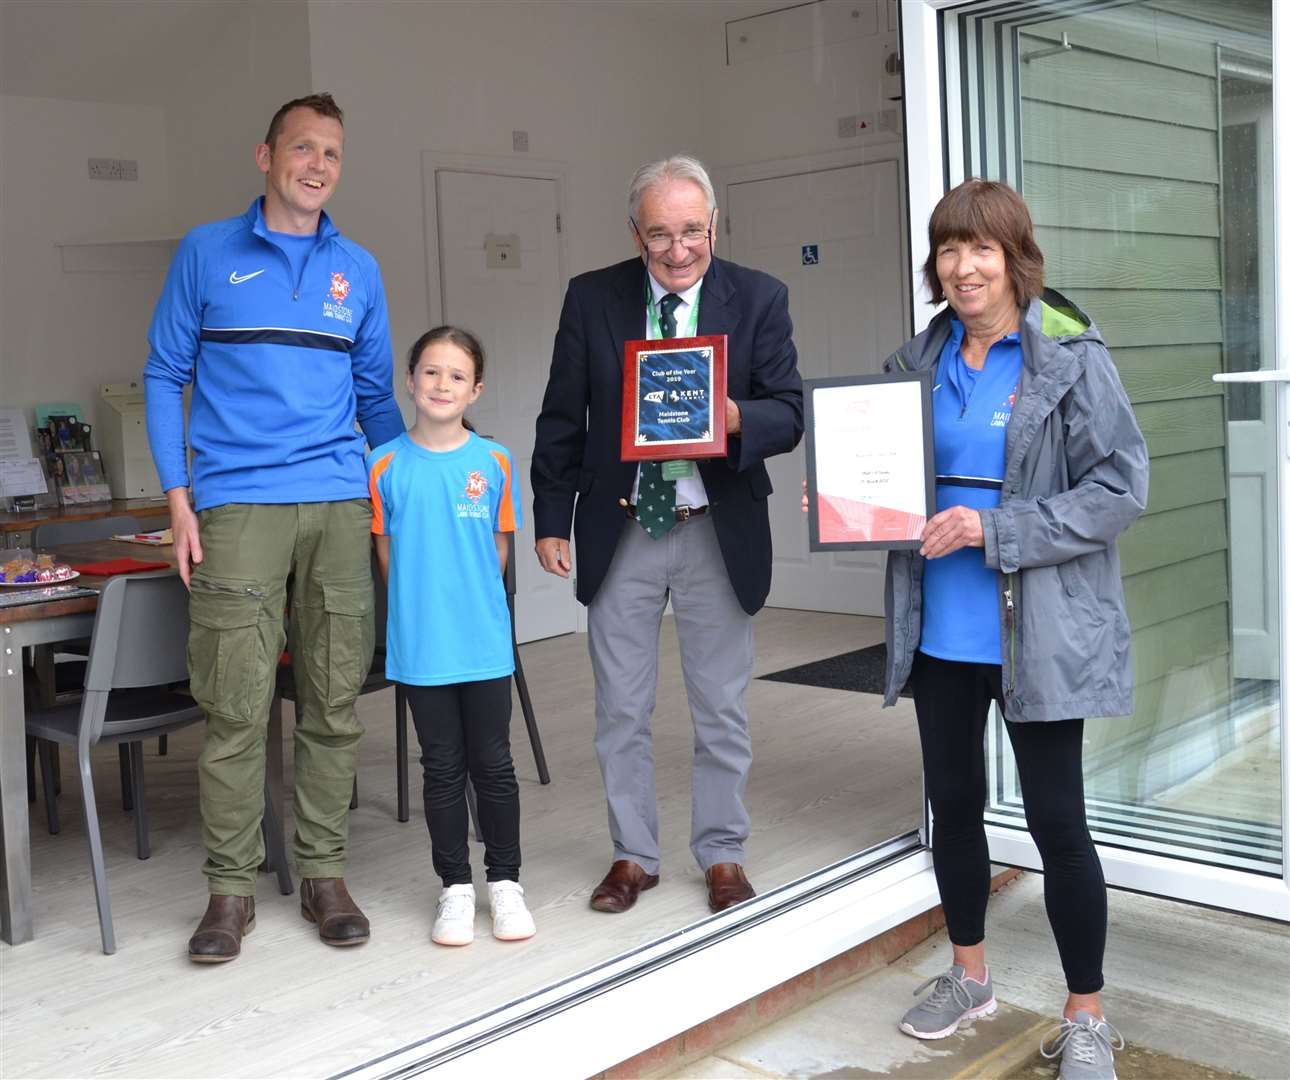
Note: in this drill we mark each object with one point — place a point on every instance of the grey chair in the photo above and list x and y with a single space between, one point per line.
54 678
50 533
137 657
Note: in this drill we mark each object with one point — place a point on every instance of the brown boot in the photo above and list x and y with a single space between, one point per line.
327 902
218 937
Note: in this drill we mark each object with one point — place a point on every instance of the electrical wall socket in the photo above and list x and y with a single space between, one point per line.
520 142
113 169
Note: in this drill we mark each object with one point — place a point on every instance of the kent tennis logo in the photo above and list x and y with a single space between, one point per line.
336 309
476 485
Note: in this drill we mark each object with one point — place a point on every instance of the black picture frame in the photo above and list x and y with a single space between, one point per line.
889 531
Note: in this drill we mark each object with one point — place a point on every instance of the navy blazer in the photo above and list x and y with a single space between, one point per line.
578 473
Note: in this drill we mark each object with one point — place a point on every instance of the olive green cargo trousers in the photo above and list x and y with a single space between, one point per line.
236 637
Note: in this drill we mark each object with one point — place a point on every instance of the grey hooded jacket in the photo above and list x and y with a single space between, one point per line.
1075 477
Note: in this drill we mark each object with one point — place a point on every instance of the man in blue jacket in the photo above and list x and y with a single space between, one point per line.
279 325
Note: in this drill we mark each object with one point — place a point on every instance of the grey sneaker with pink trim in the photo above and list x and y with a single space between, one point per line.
953 1000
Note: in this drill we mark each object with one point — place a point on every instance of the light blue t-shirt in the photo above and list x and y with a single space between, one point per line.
970 410
448 620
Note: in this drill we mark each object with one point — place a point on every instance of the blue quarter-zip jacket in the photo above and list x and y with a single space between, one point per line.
280 368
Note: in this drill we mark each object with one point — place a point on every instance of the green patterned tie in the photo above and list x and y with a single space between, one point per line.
656 497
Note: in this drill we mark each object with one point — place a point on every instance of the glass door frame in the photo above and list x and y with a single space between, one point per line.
934 125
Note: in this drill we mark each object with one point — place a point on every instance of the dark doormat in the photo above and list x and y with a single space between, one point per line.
862 670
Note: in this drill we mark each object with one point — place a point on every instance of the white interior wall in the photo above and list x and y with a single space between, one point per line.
786 102
64 333
582 79
585 82
222 107
186 90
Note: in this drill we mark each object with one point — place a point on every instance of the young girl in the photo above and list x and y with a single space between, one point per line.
443 500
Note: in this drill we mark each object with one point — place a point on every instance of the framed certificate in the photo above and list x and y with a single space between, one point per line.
674 398
870 470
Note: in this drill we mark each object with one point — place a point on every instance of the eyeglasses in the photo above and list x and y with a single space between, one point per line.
690 239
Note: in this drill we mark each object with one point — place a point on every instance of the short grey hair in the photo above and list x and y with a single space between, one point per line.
677 167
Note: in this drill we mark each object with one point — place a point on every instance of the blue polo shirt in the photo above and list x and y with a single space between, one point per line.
970 410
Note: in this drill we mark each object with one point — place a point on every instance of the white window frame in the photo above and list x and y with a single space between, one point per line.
598 1018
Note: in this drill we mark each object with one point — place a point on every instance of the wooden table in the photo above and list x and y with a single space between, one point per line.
39 624
15 526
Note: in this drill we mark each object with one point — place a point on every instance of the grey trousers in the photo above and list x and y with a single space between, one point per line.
716 643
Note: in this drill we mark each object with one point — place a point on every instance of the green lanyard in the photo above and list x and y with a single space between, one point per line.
672 470
654 330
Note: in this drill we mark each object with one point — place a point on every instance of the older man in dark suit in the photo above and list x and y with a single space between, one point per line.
707 548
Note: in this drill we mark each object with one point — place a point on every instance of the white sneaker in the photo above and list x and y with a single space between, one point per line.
454 922
512 920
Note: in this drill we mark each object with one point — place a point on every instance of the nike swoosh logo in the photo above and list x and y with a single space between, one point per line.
235 279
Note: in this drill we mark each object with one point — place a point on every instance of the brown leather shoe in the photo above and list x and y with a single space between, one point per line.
727 886
218 937
621 886
327 902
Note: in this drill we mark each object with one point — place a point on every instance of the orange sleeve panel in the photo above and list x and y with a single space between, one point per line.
506 512
373 487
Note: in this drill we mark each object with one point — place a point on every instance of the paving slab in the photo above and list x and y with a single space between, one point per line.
1198 994
1133 1063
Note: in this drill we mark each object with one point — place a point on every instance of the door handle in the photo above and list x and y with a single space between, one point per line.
1275 375
1281 375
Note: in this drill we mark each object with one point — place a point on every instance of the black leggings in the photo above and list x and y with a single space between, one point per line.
465 728
952 701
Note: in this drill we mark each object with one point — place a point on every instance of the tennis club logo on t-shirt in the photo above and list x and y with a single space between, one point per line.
476 486
1004 412
339 291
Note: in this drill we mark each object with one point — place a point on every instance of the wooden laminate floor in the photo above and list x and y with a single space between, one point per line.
833 773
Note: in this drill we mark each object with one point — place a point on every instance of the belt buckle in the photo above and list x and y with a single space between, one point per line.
683 513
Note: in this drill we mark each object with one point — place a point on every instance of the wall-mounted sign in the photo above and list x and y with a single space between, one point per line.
502 252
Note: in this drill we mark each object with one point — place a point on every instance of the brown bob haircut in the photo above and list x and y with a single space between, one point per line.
986 210
323 104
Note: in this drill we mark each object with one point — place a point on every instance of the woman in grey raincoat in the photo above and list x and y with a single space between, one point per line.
1015 595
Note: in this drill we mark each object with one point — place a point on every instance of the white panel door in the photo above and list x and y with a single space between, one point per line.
513 306
835 237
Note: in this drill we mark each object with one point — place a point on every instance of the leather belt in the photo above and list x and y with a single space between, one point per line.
681 513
